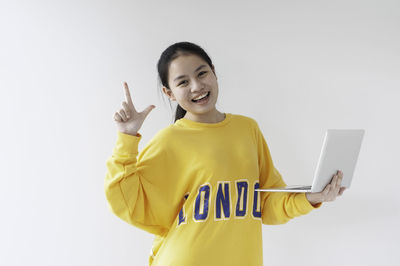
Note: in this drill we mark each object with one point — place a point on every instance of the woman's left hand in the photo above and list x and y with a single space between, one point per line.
331 191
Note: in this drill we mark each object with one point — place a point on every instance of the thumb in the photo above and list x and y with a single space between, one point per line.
148 110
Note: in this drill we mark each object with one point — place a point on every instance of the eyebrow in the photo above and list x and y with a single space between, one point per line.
197 69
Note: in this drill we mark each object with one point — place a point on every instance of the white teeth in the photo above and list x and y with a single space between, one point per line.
201 96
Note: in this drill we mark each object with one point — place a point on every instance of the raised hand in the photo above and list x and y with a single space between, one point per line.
128 120
330 192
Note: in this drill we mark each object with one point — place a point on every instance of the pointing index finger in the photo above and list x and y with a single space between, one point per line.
127 93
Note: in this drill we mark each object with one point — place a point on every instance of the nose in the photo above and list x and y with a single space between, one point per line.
197 85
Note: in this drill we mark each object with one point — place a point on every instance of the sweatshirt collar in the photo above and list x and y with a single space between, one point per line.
184 122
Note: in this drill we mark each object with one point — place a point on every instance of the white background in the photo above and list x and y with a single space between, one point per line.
297 67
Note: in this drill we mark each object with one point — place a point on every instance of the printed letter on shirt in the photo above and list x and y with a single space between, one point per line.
202 202
182 215
256 201
241 192
223 200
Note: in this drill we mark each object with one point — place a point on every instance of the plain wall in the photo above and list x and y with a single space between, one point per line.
297 67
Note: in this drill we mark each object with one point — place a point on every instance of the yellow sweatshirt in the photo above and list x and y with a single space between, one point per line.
193 186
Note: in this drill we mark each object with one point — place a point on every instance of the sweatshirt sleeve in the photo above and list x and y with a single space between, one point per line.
277 207
137 185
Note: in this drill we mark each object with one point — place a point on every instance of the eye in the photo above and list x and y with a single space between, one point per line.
202 72
182 82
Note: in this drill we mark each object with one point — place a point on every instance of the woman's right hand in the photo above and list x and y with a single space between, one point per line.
128 120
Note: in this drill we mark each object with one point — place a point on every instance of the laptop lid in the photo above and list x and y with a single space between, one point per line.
340 151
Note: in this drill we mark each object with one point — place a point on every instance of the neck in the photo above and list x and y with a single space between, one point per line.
214 117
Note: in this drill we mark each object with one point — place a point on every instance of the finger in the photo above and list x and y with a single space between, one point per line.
336 189
148 110
342 189
126 109
117 117
128 94
326 190
123 115
330 194
339 182
334 181
341 176
337 185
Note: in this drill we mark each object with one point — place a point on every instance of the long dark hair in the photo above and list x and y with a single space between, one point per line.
172 52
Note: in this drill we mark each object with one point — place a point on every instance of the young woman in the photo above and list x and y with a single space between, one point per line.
193 185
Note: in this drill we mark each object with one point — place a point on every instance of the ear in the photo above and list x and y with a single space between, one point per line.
213 70
169 93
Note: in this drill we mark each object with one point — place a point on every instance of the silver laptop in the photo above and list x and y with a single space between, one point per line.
339 151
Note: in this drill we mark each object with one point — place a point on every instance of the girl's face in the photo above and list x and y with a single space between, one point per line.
190 77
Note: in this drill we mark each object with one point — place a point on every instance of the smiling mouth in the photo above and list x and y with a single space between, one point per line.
202 99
